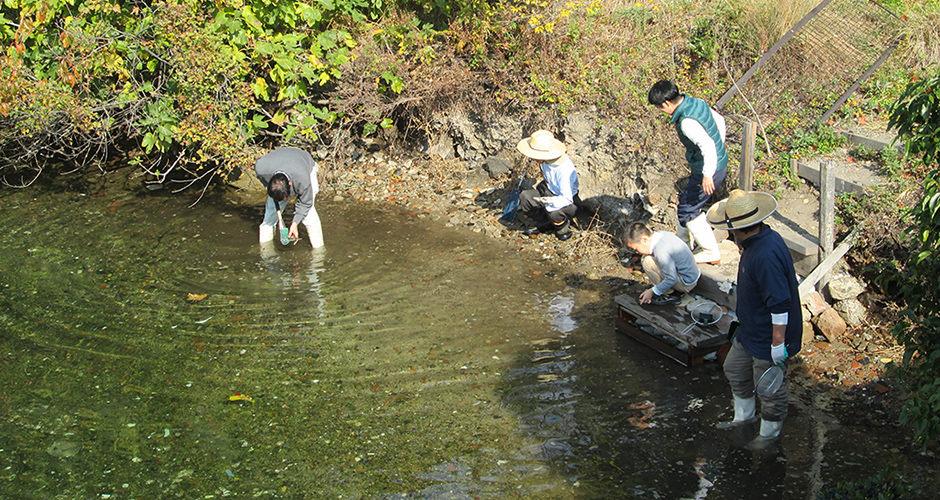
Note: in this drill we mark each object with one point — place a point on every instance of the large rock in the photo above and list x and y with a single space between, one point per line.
442 148
830 324
852 311
814 303
497 166
808 333
846 287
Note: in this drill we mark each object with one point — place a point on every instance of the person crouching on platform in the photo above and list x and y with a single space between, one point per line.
552 203
768 307
667 261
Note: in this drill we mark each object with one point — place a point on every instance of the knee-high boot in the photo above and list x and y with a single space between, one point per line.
708 251
743 413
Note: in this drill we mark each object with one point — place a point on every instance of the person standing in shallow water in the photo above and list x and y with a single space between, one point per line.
554 201
287 172
701 130
768 307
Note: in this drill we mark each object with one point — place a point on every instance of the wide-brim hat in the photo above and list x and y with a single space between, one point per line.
741 209
542 145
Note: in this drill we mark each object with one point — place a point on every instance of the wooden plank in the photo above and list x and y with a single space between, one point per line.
827 212
672 321
746 173
629 325
630 328
809 282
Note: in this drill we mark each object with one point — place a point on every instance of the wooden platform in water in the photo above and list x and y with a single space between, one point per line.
664 328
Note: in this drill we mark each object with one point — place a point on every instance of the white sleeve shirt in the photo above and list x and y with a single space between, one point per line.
562 180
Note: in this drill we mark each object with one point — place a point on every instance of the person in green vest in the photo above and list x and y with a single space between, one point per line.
701 130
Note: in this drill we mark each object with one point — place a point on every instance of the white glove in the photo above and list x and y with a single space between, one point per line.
778 353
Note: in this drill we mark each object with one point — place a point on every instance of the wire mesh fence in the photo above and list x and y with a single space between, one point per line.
816 66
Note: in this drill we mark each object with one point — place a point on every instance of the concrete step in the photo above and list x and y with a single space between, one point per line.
850 177
872 139
797 217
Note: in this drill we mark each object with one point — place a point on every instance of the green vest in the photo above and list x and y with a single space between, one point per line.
699 111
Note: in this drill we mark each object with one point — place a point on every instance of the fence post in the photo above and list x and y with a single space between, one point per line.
748 142
827 213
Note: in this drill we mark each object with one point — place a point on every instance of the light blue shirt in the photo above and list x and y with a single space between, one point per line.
675 261
562 180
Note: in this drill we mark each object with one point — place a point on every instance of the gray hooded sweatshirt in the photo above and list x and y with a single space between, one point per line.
297 165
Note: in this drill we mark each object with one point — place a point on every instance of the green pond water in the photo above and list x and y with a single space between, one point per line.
408 360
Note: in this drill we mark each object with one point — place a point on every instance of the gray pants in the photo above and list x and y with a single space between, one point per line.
743 371
655 274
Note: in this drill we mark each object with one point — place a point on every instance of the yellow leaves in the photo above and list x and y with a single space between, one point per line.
315 62
260 88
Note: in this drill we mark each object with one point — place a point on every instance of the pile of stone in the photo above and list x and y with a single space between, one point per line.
832 321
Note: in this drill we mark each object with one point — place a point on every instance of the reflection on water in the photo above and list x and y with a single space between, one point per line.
150 351
559 309
300 274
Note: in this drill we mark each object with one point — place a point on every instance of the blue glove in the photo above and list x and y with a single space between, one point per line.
778 353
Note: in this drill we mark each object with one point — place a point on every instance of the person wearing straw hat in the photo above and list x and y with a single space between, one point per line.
554 201
287 172
667 262
701 130
768 308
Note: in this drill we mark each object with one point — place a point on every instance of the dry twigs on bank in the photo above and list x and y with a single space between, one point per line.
595 246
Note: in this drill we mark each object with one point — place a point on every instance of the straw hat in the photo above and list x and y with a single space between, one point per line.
542 145
741 209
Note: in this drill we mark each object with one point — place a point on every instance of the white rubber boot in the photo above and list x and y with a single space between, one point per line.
743 413
708 252
314 230
769 432
266 239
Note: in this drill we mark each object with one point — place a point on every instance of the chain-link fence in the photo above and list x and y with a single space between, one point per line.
810 73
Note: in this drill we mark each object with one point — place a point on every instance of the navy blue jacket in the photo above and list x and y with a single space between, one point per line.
767 285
